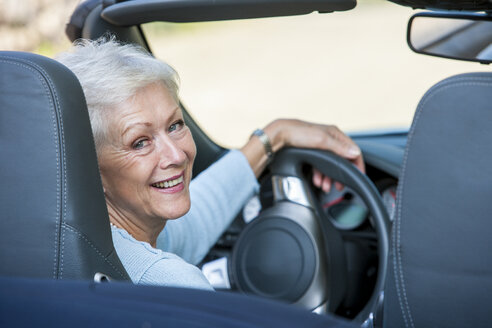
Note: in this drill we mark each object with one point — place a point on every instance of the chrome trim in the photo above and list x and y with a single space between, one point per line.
322 309
101 277
369 323
217 273
291 189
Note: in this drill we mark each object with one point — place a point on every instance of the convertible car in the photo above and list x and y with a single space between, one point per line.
404 245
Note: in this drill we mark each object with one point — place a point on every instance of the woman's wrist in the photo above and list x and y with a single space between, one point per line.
255 151
275 132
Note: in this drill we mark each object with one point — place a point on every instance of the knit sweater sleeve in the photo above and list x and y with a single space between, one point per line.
149 266
217 195
174 272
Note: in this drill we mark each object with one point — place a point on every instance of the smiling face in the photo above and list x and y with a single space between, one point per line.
146 160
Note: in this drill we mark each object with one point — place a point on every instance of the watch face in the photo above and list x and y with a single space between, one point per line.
265 140
251 209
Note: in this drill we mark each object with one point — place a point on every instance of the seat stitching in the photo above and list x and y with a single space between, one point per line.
396 236
63 157
88 242
398 268
21 63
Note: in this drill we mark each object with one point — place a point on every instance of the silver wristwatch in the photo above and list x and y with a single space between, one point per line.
265 140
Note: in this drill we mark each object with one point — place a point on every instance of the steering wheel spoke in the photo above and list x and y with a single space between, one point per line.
292 189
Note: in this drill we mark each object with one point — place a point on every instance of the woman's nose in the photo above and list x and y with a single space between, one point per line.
171 154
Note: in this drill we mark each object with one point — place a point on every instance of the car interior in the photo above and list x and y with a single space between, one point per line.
59 266
404 245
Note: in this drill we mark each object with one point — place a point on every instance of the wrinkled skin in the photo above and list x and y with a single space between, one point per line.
147 142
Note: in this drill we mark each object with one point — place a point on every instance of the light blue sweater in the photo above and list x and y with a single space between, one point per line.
217 195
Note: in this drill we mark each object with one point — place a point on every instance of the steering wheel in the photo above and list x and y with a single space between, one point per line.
292 251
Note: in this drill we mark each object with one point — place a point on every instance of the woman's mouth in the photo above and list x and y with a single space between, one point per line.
168 183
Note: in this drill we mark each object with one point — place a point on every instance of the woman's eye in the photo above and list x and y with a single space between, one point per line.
176 126
139 144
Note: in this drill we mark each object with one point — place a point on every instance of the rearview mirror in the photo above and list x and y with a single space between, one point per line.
457 36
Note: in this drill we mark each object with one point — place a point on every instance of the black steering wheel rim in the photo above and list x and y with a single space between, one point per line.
290 162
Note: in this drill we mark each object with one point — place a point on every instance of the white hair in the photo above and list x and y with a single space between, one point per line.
111 72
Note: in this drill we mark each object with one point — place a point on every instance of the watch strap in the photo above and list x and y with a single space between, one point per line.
265 140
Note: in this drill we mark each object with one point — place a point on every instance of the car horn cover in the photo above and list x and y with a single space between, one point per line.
275 258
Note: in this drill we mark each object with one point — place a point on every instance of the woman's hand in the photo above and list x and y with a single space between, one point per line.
296 133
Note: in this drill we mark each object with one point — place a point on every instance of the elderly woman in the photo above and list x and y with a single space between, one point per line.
162 222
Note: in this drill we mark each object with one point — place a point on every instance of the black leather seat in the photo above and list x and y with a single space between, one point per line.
53 217
440 266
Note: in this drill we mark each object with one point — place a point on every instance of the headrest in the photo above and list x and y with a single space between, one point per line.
54 220
440 268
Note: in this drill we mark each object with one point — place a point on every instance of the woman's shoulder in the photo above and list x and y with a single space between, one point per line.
136 256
